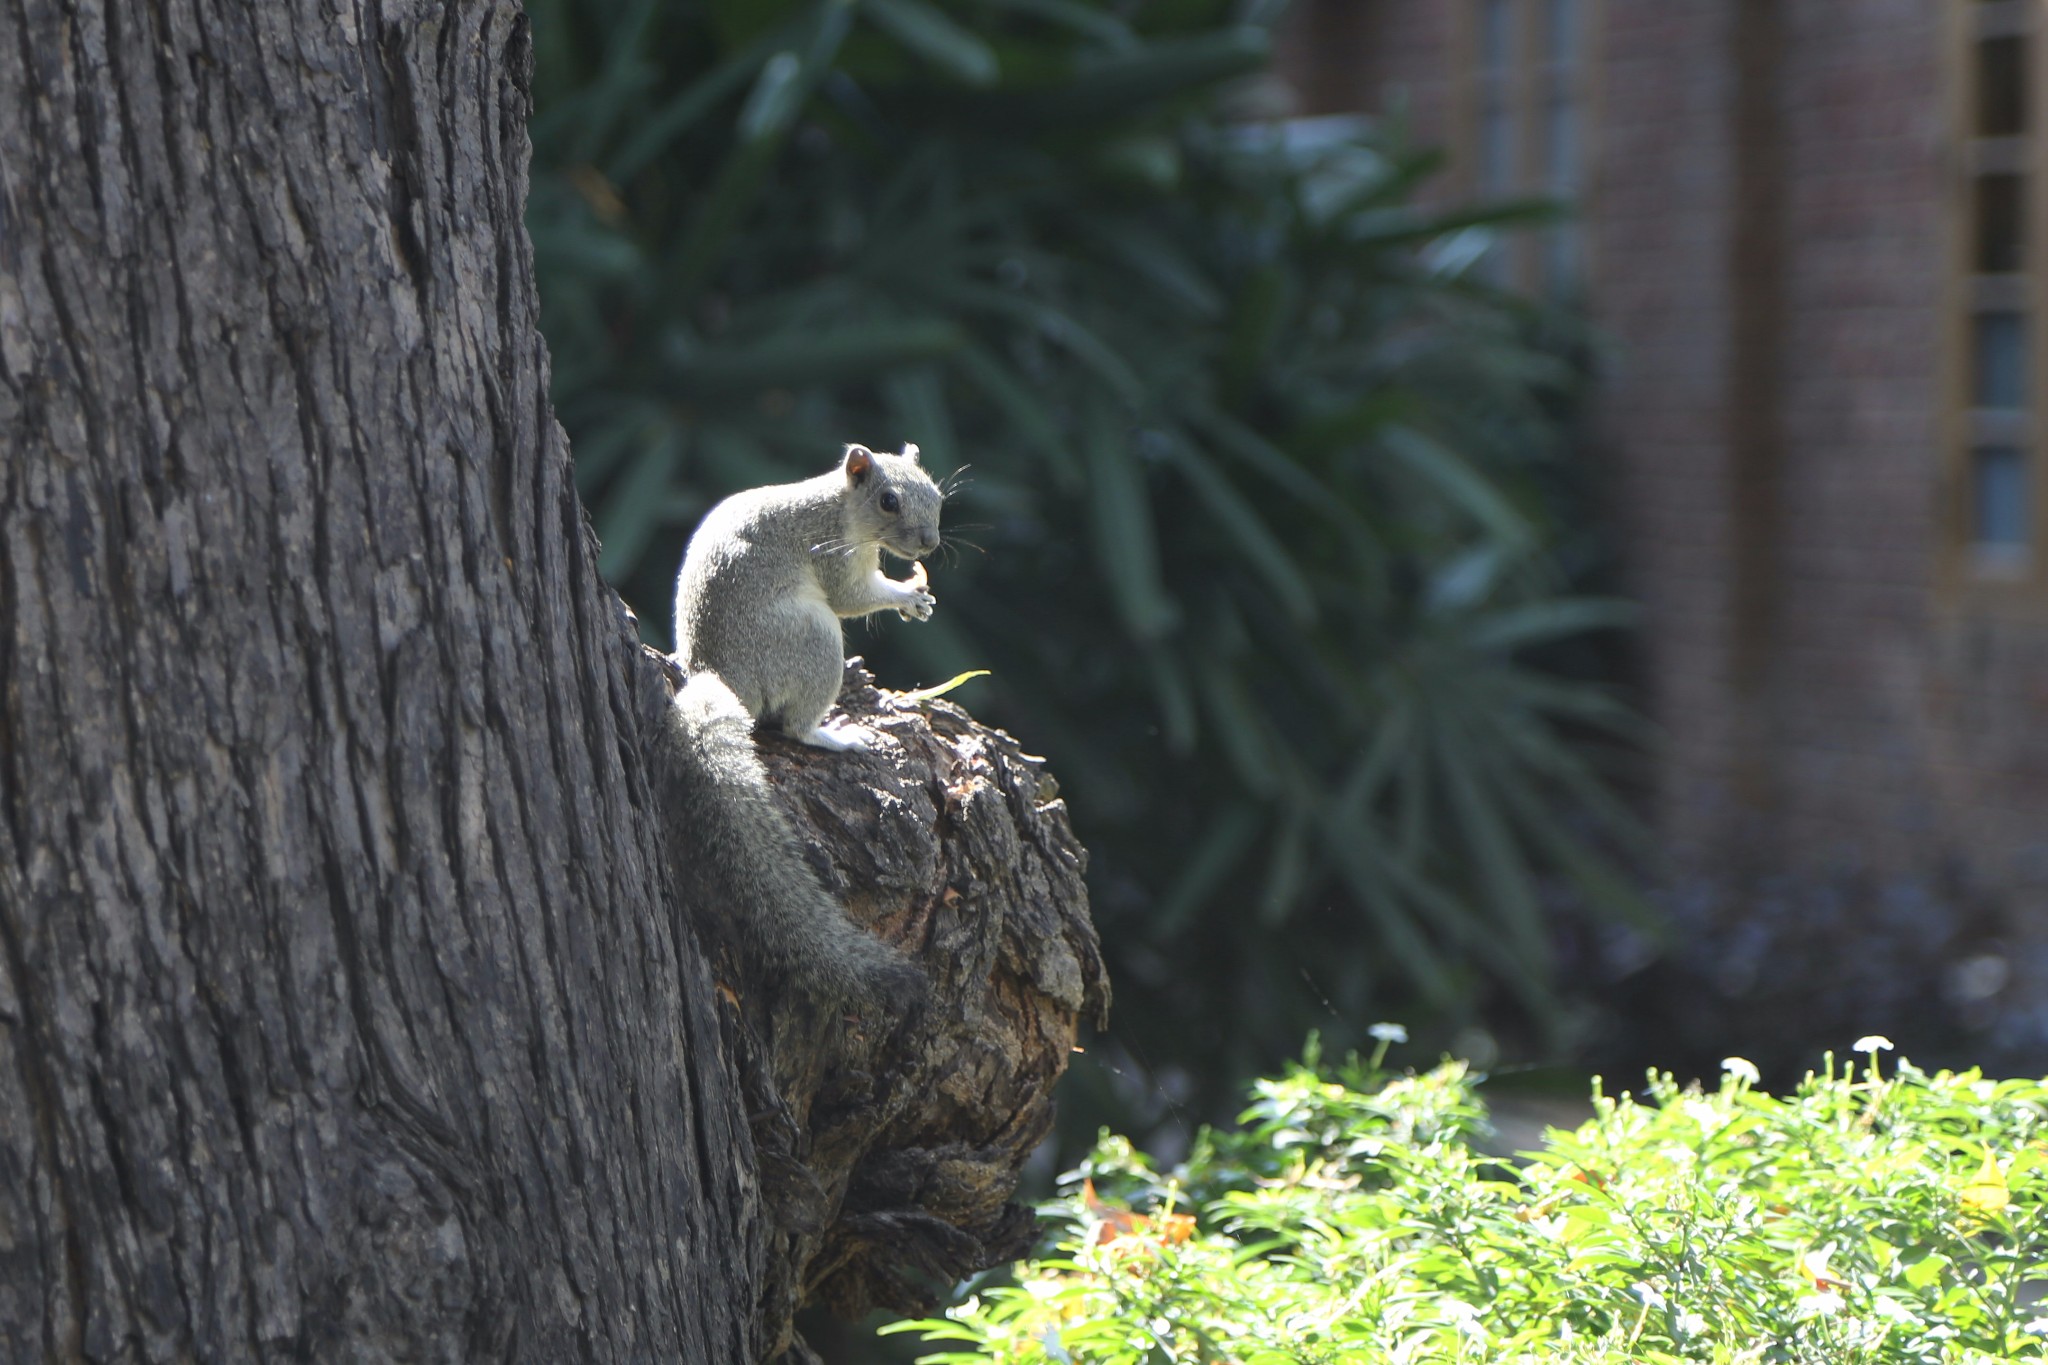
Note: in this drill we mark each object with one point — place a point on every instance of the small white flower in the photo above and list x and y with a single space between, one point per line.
1872 1042
1742 1069
1692 1324
1389 1033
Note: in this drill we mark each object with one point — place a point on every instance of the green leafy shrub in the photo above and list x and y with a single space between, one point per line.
1268 480
1865 1218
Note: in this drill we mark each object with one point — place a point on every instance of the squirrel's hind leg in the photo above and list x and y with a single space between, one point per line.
848 736
814 668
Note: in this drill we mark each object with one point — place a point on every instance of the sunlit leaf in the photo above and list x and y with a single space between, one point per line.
1986 1192
941 689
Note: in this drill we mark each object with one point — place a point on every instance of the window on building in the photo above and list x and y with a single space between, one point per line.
1527 75
1999 446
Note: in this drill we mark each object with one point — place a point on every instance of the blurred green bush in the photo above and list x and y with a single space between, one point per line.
1270 488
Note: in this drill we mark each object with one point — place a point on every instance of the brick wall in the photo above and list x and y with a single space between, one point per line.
1659 230
1857 753
1867 299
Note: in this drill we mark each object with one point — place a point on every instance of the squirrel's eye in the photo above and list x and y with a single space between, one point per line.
890 502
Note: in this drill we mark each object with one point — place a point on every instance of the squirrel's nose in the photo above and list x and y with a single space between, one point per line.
928 538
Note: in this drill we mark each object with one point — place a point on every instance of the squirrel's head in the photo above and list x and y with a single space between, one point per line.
892 500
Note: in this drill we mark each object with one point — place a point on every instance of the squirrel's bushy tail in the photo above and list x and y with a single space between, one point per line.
736 856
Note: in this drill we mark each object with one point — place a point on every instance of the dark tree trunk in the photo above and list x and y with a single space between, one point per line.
344 1013
337 981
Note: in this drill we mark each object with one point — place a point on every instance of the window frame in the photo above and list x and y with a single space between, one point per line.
1969 567
1532 82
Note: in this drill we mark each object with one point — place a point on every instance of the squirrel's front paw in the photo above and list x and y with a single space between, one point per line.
918 602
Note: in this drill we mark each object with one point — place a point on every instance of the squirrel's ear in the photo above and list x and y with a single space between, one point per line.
910 452
859 460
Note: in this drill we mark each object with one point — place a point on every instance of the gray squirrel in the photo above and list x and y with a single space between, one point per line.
764 583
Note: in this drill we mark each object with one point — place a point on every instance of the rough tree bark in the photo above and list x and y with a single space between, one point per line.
888 1150
344 1009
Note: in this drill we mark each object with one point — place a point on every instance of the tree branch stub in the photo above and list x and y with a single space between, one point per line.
888 1149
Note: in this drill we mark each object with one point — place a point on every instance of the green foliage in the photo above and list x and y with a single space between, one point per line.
1864 1220
1267 479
